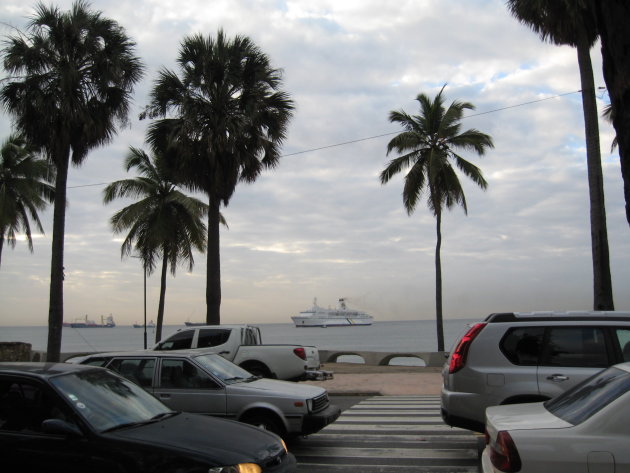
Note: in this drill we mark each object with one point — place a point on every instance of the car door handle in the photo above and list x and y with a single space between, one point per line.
224 353
165 396
557 377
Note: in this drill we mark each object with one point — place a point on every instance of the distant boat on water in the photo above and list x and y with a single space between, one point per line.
149 325
340 317
84 322
194 324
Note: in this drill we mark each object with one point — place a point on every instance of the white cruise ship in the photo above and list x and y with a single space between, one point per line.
340 317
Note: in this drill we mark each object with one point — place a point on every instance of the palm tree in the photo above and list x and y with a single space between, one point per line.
164 224
572 22
24 190
70 77
612 18
227 118
428 144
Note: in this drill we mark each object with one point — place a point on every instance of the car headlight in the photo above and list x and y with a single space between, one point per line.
240 468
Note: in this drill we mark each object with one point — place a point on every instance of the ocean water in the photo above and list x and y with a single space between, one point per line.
393 336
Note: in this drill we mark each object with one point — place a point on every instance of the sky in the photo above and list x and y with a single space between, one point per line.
321 224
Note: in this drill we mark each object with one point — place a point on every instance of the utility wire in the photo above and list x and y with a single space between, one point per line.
358 140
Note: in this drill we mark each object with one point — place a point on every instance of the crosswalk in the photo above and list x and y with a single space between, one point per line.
385 434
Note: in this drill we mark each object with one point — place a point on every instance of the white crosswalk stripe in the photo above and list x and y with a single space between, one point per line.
401 434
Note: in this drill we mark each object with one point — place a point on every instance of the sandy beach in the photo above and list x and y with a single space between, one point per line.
355 378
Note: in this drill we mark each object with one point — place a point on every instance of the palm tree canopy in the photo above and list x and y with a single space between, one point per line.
557 21
225 112
71 78
164 223
24 189
427 145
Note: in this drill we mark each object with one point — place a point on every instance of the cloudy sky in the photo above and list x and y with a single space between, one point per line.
321 225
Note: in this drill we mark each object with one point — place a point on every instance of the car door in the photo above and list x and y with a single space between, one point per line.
570 355
184 386
25 446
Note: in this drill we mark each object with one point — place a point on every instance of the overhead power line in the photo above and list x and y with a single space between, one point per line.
358 140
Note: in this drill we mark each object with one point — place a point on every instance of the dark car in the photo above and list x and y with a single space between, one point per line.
75 418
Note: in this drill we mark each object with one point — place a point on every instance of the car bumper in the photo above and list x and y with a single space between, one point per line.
317 421
464 410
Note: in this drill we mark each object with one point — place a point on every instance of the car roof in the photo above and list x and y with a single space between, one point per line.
575 315
159 353
41 370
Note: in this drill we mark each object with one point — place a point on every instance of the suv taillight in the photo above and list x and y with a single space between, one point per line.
458 358
300 352
504 455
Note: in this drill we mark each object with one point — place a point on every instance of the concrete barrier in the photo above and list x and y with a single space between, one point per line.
383 358
15 351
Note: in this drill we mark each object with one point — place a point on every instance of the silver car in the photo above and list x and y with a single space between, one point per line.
584 430
512 358
206 383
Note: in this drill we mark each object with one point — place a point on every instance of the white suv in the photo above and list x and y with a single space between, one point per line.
527 357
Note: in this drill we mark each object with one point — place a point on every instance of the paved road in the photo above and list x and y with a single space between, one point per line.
385 434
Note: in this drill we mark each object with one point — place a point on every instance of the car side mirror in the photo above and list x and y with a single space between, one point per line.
60 427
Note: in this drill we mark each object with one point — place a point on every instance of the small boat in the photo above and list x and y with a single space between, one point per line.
149 325
340 317
194 324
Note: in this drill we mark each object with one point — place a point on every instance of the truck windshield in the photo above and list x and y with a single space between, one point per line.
579 403
223 369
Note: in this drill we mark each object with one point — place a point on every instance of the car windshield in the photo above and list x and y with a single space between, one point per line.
579 403
107 401
223 369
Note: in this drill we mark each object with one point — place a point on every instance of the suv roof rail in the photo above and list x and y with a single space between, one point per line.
557 315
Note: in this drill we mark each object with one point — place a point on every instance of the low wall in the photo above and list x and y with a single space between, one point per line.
383 358
17 351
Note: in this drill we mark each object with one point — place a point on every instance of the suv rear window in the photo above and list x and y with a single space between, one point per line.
522 345
576 346
579 403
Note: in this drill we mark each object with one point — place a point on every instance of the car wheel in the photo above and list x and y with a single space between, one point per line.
267 422
257 369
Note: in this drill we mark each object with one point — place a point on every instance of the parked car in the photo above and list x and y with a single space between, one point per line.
583 430
242 345
73 418
527 357
206 383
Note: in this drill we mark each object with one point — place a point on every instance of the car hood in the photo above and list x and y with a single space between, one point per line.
523 417
270 387
219 441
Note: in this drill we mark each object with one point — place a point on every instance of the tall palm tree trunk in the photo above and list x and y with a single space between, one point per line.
1 245
55 308
213 283
602 284
438 283
160 314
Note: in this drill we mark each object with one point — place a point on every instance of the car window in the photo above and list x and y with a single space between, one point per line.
24 405
223 369
522 345
579 403
138 370
576 346
182 374
178 341
623 335
209 337
96 361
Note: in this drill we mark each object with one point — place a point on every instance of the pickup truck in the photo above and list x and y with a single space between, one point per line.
242 345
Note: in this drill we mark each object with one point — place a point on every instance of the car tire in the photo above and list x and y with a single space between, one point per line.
257 369
268 422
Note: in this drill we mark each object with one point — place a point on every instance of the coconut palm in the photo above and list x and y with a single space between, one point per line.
227 117
24 190
612 23
70 77
572 22
164 224
428 147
